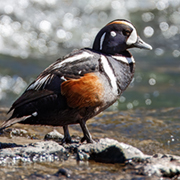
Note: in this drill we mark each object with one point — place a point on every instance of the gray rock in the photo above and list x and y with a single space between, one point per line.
18 132
9 145
112 151
63 171
54 135
108 151
36 152
161 165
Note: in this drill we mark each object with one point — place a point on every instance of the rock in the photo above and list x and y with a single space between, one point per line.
112 151
18 132
54 135
9 145
108 151
104 151
45 151
63 171
162 165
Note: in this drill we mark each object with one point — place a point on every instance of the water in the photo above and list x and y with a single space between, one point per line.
34 33
152 131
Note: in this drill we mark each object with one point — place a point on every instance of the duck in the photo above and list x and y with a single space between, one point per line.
82 84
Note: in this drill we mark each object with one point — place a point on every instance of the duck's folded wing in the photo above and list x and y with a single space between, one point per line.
57 84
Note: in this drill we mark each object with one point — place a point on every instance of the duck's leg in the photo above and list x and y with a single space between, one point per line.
67 137
87 135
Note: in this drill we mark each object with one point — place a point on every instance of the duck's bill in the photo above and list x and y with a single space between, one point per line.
141 44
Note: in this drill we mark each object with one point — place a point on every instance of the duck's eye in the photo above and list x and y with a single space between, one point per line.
126 32
113 33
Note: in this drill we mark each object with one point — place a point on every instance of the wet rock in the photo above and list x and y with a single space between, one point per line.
157 165
45 151
108 151
16 132
104 151
9 145
63 171
54 135
112 151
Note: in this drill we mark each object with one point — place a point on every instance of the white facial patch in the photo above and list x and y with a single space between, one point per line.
133 37
113 33
102 40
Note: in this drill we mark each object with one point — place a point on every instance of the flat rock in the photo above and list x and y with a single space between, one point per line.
109 151
161 165
112 151
44 151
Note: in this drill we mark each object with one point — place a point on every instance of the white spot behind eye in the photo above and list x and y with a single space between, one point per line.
113 34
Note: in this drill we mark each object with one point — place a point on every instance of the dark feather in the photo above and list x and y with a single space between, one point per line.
29 96
10 122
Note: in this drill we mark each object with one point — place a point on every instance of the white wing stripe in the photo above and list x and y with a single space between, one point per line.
42 81
109 72
73 58
39 82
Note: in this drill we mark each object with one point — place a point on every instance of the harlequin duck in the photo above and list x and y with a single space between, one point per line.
81 84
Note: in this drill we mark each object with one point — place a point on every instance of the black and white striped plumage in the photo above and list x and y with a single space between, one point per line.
82 84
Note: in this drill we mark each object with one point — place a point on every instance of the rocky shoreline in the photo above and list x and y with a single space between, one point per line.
105 150
36 152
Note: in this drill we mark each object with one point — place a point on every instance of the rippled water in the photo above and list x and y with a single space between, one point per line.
34 33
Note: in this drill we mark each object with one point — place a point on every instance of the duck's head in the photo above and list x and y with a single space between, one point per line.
117 36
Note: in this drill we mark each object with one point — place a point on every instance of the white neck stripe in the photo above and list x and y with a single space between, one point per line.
109 72
126 60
